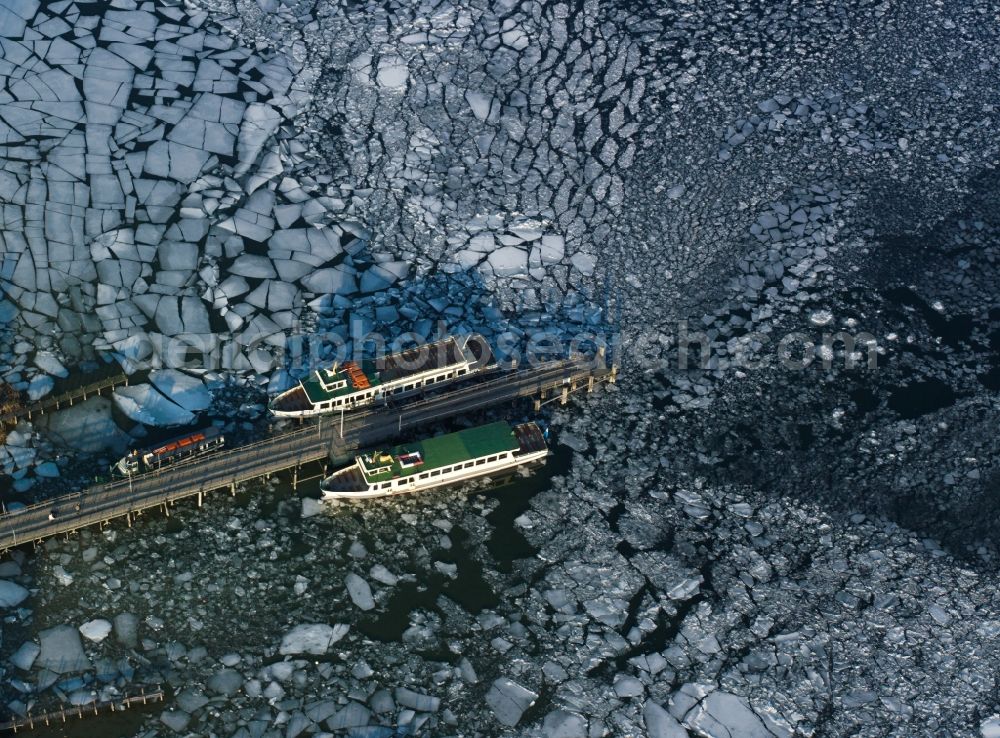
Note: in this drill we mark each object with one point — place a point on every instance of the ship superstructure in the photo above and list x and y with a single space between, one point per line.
349 384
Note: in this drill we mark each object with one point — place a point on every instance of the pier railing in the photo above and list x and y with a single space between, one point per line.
67 398
31 721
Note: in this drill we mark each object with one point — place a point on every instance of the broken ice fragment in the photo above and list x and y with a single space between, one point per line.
311 507
187 391
61 650
312 638
95 630
25 655
660 723
11 594
143 404
509 700
360 591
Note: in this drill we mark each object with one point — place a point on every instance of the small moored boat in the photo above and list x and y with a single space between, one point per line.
169 452
436 462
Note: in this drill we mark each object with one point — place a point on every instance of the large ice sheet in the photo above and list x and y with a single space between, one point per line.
144 404
183 389
312 638
61 650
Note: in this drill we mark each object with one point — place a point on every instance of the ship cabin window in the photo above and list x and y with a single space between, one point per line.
492 458
480 461
385 485
461 372
436 472
469 463
424 475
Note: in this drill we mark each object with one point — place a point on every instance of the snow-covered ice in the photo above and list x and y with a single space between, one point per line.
96 630
312 638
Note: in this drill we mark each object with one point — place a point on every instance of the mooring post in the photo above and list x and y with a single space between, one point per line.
590 383
199 497
614 374
232 489
295 478
166 510
565 396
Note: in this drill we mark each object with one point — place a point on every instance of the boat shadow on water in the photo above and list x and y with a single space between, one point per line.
469 588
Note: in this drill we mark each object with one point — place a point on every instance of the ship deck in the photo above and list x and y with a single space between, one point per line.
316 393
420 359
346 480
295 400
529 437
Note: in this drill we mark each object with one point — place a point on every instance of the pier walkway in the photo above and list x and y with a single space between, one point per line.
332 437
64 399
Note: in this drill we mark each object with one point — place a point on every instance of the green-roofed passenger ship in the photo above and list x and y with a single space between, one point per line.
485 451
349 385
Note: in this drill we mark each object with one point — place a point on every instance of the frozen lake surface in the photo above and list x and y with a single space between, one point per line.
781 522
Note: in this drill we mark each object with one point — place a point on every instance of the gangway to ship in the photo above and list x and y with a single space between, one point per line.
318 441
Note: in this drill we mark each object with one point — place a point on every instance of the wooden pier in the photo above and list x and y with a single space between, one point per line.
64 714
65 399
331 437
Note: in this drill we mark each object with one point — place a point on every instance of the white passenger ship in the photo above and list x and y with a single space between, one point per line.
349 385
436 462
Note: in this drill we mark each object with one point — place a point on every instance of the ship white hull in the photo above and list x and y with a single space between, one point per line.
316 410
459 476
